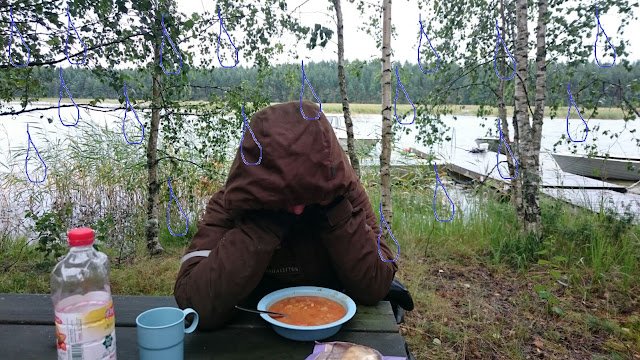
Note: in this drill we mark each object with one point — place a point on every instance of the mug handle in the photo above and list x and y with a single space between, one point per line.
194 324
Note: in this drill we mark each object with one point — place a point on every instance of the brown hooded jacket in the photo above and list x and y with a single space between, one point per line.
240 252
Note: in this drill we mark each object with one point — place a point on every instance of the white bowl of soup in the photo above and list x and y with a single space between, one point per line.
316 313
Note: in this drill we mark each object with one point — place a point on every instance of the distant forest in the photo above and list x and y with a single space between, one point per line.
363 83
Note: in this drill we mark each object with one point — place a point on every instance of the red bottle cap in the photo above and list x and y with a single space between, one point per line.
80 237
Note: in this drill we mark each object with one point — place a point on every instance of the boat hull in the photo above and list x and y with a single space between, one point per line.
493 145
599 167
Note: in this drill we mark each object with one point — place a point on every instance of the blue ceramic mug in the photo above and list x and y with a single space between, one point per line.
161 333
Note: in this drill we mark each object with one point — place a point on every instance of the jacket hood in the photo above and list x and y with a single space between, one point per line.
302 161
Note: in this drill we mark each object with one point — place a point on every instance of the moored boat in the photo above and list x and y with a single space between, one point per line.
599 167
493 144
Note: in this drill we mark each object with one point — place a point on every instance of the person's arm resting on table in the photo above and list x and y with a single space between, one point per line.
240 252
353 247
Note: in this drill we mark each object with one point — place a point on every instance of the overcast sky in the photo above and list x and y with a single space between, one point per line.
359 45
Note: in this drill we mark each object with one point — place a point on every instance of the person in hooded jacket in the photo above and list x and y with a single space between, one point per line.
300 216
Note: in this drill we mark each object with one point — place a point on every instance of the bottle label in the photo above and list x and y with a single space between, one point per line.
86 336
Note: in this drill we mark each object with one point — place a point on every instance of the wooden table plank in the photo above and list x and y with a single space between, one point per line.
38 342
37 309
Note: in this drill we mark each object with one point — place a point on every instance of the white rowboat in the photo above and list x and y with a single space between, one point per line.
600 167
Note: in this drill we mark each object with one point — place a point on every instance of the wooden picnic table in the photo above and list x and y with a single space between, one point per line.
27 331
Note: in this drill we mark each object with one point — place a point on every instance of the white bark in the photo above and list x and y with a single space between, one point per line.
355 163
529 167
152 227
385 155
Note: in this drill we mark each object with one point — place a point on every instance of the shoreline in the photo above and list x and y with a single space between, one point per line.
374 109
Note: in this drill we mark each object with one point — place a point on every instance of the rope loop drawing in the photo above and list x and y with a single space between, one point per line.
445 193
165 34
432 48
66 41
172 195
304 77
246 125
382 221
228 37
495 55
13 26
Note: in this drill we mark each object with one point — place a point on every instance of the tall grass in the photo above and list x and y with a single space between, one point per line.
601 246
100 176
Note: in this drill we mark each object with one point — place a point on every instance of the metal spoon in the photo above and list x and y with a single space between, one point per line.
262 311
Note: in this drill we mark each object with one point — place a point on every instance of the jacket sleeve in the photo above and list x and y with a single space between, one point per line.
240 251
352 244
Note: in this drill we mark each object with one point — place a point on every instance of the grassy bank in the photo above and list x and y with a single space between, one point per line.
469 110
480 290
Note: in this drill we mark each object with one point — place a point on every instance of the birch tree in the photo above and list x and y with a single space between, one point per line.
355 163
385 154
111 40
555 37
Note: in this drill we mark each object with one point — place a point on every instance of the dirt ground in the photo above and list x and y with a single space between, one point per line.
467 310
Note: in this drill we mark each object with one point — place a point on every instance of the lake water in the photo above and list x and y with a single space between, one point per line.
463 131
13 136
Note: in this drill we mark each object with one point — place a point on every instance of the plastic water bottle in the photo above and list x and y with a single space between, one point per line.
81 295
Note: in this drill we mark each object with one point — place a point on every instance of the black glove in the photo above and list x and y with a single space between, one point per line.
400 299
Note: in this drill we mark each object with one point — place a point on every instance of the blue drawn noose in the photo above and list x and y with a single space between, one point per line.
495 56
128 104
498 154
246 125
596 44
395 102
64 86
66 41
304 77
171 194
445 193
432 48
380 234
165 34
228 37
12 26
26 160
568 113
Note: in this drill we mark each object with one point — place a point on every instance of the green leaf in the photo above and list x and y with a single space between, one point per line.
542 252
557 310
543 262
560 258
555 274
544 294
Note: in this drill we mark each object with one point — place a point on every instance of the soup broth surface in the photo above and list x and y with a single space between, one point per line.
308 310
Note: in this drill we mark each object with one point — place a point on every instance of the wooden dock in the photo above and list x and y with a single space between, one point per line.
592 194
479 166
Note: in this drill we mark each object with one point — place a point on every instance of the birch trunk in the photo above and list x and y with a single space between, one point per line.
533 216
385 155
529 163
355 163
502 109
153 245
516 184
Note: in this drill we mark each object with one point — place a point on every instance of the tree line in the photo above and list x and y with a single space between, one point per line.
283 83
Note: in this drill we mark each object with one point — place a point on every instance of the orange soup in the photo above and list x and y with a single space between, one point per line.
308 310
